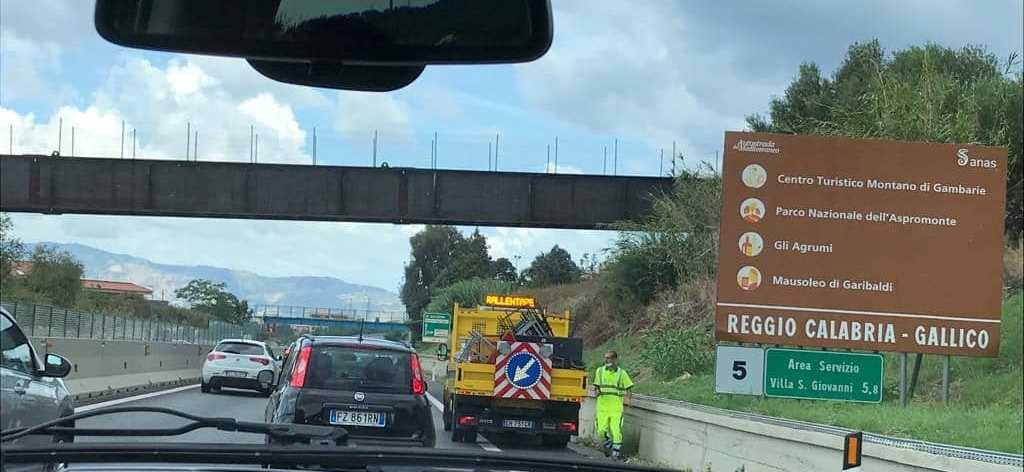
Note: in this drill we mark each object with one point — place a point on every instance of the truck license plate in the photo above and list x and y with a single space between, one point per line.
358 418
518 424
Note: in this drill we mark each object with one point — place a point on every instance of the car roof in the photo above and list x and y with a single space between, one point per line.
371 343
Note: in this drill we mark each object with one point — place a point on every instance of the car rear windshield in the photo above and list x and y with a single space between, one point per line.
240 348
365 370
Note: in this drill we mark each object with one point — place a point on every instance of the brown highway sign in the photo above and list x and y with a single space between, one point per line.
861 244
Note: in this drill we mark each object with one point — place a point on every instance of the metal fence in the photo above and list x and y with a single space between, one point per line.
50 321
292 311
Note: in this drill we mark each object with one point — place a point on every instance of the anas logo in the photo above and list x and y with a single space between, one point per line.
756 146
963 159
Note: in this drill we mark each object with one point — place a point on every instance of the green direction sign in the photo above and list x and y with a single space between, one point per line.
822 375
436 327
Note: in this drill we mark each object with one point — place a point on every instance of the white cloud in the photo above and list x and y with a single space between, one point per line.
25 66
687 71
162 103
522 245
360 113
550 168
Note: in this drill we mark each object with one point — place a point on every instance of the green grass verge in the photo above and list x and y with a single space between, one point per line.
986 408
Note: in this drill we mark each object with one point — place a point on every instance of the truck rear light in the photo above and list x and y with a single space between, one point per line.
261 360
419 387
214 356
298 379
567 426
468 421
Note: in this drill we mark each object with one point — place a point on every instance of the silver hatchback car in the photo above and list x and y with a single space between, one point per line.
32 390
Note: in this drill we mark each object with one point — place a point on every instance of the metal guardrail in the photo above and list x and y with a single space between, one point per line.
50 321
960 452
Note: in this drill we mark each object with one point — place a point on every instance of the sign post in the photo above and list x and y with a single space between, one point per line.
823 375
436 327
861 244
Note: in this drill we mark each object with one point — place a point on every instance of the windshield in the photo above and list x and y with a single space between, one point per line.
698 235
341 368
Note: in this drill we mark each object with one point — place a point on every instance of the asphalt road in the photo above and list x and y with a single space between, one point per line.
250 406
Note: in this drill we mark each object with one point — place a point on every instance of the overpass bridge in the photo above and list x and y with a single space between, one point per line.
45 184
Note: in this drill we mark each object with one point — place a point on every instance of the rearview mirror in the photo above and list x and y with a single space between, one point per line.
56 366
337 76
366 32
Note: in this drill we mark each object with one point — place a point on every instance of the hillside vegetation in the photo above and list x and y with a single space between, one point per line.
652 300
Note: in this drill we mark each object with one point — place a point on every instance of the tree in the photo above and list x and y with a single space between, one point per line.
213 298
554 267
503 270
56 274
432 252
11 248
929 93
469 260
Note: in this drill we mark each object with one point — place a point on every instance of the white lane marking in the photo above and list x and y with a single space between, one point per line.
143 396
481 440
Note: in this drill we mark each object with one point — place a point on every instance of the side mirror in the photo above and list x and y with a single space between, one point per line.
442 352
56 366
279 358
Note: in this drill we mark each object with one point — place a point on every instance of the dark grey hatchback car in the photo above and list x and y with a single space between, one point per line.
373 388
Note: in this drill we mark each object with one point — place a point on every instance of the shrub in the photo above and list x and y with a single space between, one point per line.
670 353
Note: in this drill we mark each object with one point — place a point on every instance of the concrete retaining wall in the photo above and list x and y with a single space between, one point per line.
107 369
688 438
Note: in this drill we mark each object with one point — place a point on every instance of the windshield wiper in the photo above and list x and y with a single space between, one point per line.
286 433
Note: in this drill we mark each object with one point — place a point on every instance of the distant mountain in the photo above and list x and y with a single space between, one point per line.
164 279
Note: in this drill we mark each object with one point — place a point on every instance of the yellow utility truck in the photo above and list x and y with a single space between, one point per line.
512 368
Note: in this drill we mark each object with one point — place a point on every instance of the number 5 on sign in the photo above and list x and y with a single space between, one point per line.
739 370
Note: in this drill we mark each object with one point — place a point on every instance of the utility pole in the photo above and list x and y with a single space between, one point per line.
188 138
60 129
256 150
661 163
375 148
122 139
604 166
556 154
489 146
615 170
314 145
252 135
72 141
195 149
133 141
497 141
10 139
547 167
673 158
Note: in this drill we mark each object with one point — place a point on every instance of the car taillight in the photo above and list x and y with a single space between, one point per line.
214 356
261 360
468 421
567 426
298 379
419 387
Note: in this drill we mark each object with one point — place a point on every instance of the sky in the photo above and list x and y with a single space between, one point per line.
648 74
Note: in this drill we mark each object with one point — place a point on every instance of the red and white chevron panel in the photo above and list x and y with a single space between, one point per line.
505 387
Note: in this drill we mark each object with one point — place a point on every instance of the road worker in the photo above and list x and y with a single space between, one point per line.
612 386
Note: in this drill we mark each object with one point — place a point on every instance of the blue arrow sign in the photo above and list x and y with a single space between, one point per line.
523 370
